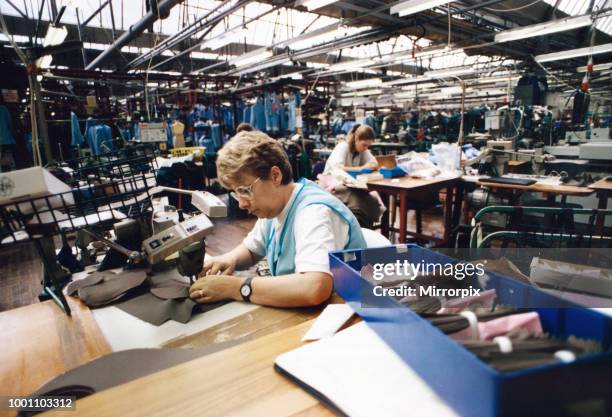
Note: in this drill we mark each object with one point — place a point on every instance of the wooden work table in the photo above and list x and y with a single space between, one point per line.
406 188
548 189
41 342
603 188
45 342
238 381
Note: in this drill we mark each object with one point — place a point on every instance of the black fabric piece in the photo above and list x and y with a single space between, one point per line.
170 289
102 288
118 368
156 311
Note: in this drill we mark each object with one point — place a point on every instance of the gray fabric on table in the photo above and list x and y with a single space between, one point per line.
120 367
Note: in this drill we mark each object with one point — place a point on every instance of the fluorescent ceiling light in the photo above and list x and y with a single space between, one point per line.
54 36
349 65
370 82
493 80
405 81
315 4
598 67
225 38
251 57
313 37
372 92
574 53
553 26
451 90
414 6
279 60
449 72
404 94
424 86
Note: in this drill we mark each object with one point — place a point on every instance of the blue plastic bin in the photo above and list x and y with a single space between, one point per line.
465 382
394 172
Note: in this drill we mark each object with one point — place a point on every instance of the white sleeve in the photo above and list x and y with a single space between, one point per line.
254 241
337 158
318 230
369 157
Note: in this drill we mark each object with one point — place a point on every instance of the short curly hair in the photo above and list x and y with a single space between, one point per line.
252 153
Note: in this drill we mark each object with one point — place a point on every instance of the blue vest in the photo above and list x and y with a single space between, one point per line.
281 256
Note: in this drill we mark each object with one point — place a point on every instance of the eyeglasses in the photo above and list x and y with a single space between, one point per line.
246 191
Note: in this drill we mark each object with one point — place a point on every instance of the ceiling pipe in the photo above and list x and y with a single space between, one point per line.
135 30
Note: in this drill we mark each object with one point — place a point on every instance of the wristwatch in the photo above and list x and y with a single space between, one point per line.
246 290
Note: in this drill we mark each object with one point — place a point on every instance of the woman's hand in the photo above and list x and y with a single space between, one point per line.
224 265
212 288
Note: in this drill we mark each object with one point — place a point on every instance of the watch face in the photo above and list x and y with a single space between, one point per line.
245 290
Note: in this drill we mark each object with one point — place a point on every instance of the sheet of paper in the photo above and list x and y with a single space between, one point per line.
362 376
331 319
124 331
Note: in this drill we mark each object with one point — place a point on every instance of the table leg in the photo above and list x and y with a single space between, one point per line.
448 212
403 216
458 203
602 205
384 220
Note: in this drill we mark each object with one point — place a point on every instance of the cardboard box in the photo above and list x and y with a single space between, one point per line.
33 184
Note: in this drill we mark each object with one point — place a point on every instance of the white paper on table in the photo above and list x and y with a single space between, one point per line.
362 376
331 319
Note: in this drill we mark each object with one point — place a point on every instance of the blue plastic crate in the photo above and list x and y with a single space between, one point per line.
394 172
468 384
354 174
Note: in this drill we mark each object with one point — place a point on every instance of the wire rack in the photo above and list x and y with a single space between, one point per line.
105 190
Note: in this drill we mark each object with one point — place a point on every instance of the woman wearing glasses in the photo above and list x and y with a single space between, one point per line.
298 224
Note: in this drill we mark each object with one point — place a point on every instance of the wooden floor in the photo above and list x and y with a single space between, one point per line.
20 267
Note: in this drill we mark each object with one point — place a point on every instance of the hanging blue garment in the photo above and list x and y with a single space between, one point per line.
200 130
169 134
127 134
192 118
370 120
136 128
347 126
246 114
75 131
268 111
227 114
215 131
337 126
258 115
209 144
274 116
282 115
238 112
104 139
90 124
291 107
6 137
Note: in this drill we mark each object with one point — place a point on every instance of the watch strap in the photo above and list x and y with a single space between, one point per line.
247 283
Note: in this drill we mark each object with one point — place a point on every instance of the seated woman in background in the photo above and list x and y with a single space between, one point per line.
353 155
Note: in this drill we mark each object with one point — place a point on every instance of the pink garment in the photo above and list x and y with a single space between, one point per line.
502 326
327 182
